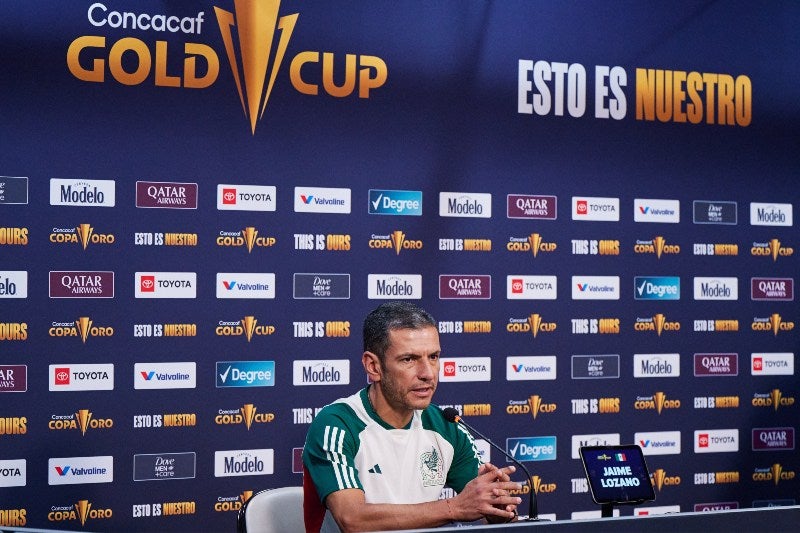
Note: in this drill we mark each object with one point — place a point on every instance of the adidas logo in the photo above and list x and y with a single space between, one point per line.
375 469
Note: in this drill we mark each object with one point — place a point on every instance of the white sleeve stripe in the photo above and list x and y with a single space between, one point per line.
333 444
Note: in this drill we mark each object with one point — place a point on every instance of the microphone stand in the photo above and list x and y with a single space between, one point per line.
452 415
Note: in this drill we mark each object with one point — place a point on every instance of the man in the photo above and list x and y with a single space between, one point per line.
379 458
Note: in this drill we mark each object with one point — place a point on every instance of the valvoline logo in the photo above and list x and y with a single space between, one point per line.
306 199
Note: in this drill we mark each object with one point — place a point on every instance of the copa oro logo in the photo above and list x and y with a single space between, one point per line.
533 324
660 479
81 511
82 234
775 473
84 328
658 246
247 326
13 236
82 419
232 503
657 323
657 401
397 241
773 398
256 40
13 331
534 405
772 248
247 237
13 517
540 487
773 323
247 414
533 243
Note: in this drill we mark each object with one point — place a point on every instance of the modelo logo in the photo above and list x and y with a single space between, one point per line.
333 372
243 462
97 193
770 214
716 288
462 204
656 365
391 286
13 283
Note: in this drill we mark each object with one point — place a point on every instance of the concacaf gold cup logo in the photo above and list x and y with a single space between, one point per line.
534 406
775 473
533 324
540 487
657 246
657 323
232 503
660 479
772 248
248 327
81 420
533 243
773 323
256 41
84 328
247 237
247 414
82 234
82 510
773 398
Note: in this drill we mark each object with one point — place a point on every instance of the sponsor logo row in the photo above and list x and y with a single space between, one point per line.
261 285
254 462
183 375
397 241
177 195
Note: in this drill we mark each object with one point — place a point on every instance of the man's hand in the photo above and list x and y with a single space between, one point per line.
488 495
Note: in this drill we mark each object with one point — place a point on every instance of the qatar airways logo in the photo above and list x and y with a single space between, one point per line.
774 289
665 211
466 369
169 195
595 209
455 286
531 206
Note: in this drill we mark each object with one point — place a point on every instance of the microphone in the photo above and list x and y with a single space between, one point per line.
451 415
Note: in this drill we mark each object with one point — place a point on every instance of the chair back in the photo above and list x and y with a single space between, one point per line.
273 511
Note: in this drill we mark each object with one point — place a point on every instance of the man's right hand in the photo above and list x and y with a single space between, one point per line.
488 495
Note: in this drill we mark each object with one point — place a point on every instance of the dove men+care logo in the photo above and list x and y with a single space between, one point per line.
657 288
245 374
532 448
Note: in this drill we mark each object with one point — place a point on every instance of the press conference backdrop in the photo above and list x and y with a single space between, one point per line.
200 202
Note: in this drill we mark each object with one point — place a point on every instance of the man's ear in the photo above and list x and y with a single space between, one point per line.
372 366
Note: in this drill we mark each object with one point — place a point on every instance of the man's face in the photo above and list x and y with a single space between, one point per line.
411 368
